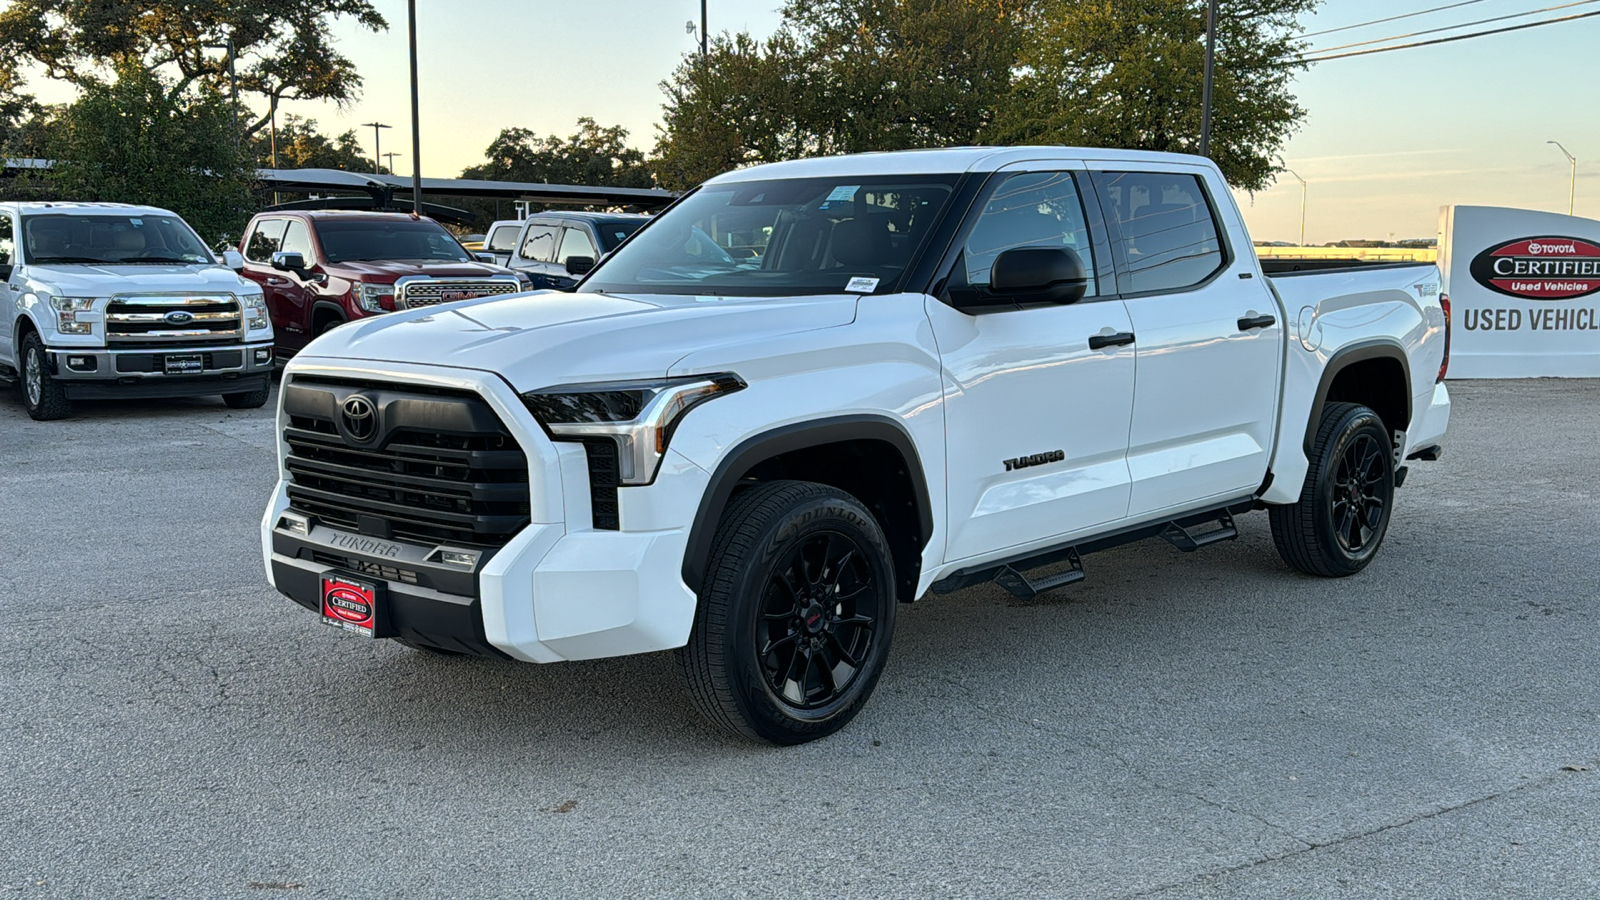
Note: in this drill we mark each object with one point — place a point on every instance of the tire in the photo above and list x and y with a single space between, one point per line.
1338 524
781 549
247 400
42 395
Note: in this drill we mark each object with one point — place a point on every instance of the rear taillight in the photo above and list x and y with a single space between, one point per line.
1444 301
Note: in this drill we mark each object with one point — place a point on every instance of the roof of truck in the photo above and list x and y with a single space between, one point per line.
83 209
944 161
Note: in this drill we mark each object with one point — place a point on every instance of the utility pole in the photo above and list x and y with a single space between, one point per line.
416 127
702 27
1572 189
1211 59
1302 204
390 157
377 144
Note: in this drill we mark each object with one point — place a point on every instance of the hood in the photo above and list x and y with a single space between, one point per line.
547 338
385 270
100 281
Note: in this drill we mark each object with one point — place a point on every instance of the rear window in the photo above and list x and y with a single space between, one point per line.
400 238
614 233
503 239
1168 234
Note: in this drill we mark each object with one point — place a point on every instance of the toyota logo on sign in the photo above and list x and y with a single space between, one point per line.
1540 268
360 417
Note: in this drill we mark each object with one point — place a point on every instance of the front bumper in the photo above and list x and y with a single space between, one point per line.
558 590
97 373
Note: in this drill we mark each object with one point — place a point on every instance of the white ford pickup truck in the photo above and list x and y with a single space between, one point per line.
109 300
812 390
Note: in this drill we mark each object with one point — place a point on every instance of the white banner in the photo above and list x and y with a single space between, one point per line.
1524 292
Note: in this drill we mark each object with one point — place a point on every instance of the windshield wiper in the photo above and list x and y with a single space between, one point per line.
157 259
47 260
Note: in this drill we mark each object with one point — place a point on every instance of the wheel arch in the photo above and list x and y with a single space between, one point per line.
871 457
322 310
1373 373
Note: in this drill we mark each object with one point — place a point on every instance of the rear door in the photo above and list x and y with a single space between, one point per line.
1209 340
1036 418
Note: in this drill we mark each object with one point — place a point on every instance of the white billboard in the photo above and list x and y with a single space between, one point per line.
1524 292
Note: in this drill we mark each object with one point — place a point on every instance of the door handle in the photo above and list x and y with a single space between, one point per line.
1098 341
1252 323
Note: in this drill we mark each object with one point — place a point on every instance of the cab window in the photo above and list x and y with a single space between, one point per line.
264 240
502 239
1029 209
576 243
540 244
8 244
297 239
1168 238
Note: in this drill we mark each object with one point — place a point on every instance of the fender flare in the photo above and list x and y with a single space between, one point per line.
1360 351
787 439
319 305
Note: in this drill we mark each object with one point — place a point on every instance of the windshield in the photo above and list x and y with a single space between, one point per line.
782 238
116 238
346 240
614 233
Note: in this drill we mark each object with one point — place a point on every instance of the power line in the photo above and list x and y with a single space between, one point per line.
1421 12
1458 37
1397 37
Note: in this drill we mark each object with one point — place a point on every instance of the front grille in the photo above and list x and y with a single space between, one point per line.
363 567
202 320
432 292
604 477
441 469
156 362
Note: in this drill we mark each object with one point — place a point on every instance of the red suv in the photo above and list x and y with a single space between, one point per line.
324 268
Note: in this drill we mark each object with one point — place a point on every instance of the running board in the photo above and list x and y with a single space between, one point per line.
1024 588
1188 541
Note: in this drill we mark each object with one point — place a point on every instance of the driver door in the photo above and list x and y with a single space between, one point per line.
1038 397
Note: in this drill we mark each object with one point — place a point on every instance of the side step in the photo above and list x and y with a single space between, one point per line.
1188 541
1024 588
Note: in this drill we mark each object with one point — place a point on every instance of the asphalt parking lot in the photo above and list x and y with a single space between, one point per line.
1207 725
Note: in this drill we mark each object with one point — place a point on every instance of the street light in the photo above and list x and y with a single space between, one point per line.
1302 204
390 157
1205 90
416 127
377 145
1572 190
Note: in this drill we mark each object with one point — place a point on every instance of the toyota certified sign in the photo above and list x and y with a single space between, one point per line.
1540 268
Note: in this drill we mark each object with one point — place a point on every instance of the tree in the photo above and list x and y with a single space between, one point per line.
839 76
1129 74
593 156
283 49
302 146
133 141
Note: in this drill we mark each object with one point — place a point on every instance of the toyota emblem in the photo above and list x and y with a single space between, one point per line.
179 317
360 417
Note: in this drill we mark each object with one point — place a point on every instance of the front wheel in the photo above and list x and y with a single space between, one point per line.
795 619
41 393
1339 522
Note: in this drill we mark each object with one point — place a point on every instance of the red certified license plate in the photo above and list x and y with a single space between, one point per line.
350 604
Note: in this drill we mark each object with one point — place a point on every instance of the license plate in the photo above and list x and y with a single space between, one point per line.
183 365
350 604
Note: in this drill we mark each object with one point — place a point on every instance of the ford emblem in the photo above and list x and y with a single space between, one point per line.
179 317
360 417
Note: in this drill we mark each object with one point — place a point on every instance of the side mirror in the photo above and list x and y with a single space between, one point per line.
1039 275
233 259
486 258
579 265
288 262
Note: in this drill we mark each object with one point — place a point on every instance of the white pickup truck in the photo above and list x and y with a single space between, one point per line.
108 300
812 390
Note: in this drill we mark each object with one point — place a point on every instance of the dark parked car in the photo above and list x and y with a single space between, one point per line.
555 250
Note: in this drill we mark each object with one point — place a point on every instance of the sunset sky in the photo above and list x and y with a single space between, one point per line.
1389 139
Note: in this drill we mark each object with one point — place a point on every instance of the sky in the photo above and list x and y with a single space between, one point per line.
1388 139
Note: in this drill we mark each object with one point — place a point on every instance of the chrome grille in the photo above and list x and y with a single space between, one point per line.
165 319
433 291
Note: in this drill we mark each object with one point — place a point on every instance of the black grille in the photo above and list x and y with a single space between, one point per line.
155 362
442 468
603 481
363 567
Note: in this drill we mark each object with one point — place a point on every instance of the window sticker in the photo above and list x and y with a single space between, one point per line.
862 285
843 192
137 223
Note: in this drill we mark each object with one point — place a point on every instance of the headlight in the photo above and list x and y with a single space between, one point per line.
67 309
255 311
372 297
638 415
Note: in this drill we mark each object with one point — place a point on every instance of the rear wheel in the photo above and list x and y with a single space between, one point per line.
796 615
1339 522
41 393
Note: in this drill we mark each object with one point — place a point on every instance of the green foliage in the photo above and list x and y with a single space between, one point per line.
846 76
302 146
1098 73
595 155
283 49
131 141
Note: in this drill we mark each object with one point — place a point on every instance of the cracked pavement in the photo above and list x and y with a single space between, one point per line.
1208 725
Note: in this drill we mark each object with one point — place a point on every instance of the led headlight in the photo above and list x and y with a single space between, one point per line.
67 309
371 297
638 415
255 311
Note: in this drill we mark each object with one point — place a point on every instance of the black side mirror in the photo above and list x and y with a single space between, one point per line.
288 262
1039 275
579 265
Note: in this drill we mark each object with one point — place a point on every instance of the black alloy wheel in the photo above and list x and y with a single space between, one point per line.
1360 503
817 620
1345 505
